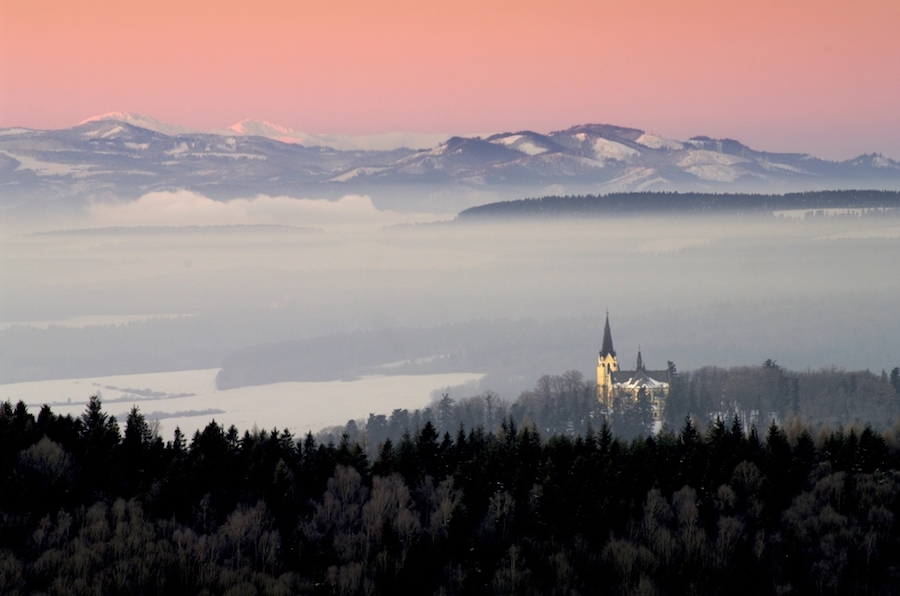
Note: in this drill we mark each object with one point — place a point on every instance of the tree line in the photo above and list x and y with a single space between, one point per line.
683 202
567 404
827 396
89 507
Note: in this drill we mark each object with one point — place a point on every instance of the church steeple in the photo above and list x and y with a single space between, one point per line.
607 349
607 364
640 361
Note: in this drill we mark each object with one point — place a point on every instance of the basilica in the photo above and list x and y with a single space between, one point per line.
614 384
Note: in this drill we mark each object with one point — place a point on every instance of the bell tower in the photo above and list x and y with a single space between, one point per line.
607 363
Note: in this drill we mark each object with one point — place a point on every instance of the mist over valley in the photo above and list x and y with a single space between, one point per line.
510 300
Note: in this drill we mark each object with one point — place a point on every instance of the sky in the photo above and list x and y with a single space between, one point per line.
816 76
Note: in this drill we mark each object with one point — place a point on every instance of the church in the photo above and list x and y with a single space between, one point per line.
613 384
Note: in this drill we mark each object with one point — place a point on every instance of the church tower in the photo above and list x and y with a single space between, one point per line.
607 363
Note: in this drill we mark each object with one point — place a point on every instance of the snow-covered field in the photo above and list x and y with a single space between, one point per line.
190 400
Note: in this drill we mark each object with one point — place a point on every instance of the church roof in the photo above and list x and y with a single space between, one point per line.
637 378
607 349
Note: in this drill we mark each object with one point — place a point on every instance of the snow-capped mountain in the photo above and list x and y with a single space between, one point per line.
124 156
275 132
143 121
605 158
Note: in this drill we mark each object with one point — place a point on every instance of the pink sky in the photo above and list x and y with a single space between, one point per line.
818 76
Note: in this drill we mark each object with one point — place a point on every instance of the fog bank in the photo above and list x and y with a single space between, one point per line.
809 292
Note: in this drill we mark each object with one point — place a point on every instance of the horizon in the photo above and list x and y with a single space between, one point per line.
414 140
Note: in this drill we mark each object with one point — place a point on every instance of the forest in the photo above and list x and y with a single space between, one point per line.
675 202
496 507
567 404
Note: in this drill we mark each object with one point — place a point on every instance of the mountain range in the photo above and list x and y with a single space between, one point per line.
125 156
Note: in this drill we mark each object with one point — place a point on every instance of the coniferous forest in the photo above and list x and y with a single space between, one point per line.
89 507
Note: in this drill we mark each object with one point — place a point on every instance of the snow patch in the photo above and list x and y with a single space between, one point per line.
606 149
700 157
712 166
46 168
521 143
781 167
880 162
179 149
640 177
639 382
530 148
510 140
657 142
112 132
356 172
715 173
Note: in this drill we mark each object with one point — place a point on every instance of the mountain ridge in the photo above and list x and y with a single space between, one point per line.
124 156
276 132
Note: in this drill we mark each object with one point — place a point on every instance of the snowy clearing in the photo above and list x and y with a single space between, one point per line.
657 142
189 399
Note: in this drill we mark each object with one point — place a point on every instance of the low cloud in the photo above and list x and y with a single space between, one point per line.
186 208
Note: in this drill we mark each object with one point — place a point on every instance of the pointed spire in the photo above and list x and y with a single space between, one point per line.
607 349
640 361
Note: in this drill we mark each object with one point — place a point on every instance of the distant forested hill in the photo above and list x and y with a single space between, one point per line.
511 352
689 202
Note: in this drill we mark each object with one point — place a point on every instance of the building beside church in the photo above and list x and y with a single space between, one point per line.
614 384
